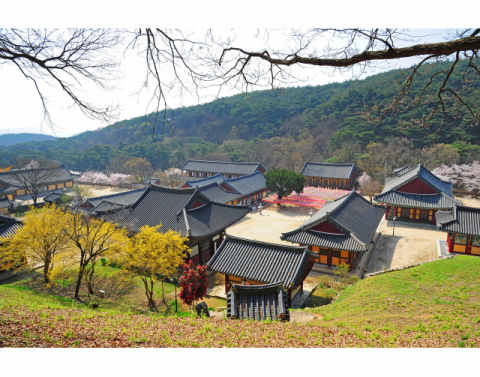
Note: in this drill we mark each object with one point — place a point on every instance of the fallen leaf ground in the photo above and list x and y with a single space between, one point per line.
433 305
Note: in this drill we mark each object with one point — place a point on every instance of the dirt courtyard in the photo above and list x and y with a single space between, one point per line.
412 243
270 225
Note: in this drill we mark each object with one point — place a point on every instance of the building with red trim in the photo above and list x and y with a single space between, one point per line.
198 169
330 176
341 232
462 225
415 194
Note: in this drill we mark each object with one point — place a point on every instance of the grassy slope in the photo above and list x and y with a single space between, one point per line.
433 305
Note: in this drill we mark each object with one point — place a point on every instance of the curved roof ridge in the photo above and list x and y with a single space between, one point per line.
242 177
218 184
266 244
224 162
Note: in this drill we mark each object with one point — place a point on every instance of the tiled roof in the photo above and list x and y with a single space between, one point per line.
56 174
260 261
53 196
401 170
353 215
258 302
123 198
217 193
171 207
9 226
217 178
241 168
6 203
325 240
5 187
463 220
248 184
426 176
338 171
427 201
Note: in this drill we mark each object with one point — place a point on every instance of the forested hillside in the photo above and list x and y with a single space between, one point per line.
12 139
274 127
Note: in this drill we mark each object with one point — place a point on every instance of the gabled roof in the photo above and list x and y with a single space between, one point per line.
53 196
248 184
463 220
9 226
6 203
241 168
123 198
353 215
57 174
217 178
217 193
424 175
261 261
427 201
338 171
172 207
258 302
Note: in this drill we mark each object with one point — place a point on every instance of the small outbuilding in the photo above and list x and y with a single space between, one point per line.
462 225
258 302
244 261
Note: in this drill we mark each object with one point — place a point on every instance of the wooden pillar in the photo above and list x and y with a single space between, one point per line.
414 214
226 283
396 211
450 242
469 246
433 217
386 212
329 258
350 257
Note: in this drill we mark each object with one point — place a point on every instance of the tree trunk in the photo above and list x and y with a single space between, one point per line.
163 294
46 271
89 278
79 281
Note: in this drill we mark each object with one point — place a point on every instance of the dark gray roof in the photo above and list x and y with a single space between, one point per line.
338 171
56 174
463 220
171 207
217 178
6 203
53 196
217 193
353 215
9 226
423 174
401 170
260 261
238 168
258 302
123 198
152 181
5 187
248 184
427 201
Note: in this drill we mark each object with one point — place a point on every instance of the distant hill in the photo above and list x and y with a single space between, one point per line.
330 113
11 139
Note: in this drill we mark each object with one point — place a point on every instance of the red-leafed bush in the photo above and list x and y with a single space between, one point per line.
193 283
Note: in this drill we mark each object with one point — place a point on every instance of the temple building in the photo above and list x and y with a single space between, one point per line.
53 196
197 169
462 225
415 195
5 205
242 190
186 211
258 263
53 178
258 302
330 176
341 232
8 227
